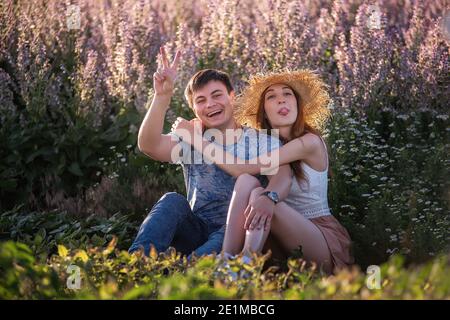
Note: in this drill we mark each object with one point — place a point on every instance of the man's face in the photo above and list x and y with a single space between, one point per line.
213 105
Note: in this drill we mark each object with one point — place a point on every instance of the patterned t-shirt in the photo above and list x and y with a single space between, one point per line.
209 188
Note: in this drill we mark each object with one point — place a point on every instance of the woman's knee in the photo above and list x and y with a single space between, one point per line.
256 192
280 207
246 181
293 230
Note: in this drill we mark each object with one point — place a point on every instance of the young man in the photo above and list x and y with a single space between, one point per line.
196 224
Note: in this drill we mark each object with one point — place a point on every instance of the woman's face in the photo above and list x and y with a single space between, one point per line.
280 106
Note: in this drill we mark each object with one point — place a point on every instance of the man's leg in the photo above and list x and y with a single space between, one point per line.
212 244
191 233
170 215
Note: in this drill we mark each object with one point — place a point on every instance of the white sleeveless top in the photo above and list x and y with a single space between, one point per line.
310 197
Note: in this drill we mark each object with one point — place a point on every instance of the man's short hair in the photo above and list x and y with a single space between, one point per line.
201 78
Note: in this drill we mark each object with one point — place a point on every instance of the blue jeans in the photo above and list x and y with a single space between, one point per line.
171 223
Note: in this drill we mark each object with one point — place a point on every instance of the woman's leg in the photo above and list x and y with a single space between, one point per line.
235 232
292 230
255 239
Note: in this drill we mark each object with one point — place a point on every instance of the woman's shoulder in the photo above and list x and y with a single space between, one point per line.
311 141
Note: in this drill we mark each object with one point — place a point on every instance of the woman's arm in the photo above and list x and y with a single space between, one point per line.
281 182
266 164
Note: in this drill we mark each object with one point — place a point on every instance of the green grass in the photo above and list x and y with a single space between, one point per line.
109 273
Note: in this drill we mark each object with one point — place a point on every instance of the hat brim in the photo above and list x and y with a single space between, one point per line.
308 85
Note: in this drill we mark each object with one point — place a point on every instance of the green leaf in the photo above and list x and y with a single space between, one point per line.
42 151
84 153
75 169
97 241
40 236
10 184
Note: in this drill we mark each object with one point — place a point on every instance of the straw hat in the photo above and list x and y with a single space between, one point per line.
307 84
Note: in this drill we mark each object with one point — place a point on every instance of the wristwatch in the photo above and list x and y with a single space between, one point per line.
272 195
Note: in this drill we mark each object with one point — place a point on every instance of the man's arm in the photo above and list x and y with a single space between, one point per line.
151 141
296 149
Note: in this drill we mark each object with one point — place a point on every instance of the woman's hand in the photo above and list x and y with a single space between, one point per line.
259 213
187 129
165 75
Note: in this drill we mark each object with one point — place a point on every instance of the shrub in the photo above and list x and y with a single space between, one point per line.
389 185
107 273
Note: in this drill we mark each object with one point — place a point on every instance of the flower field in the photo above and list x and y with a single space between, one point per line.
75 81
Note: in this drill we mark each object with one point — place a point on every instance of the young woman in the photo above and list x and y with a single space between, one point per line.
295 103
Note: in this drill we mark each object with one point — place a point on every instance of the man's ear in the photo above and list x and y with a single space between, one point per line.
232 95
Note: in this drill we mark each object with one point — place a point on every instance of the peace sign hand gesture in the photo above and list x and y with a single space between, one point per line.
164 77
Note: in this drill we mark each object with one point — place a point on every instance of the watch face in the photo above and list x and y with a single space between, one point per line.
274 196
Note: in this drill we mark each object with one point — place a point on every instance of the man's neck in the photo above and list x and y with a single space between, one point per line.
230 133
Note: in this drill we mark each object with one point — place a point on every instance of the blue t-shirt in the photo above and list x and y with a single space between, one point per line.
209 188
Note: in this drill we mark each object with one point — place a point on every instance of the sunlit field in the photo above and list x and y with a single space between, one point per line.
75 82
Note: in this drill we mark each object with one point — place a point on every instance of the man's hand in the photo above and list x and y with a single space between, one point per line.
259 213
165 75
